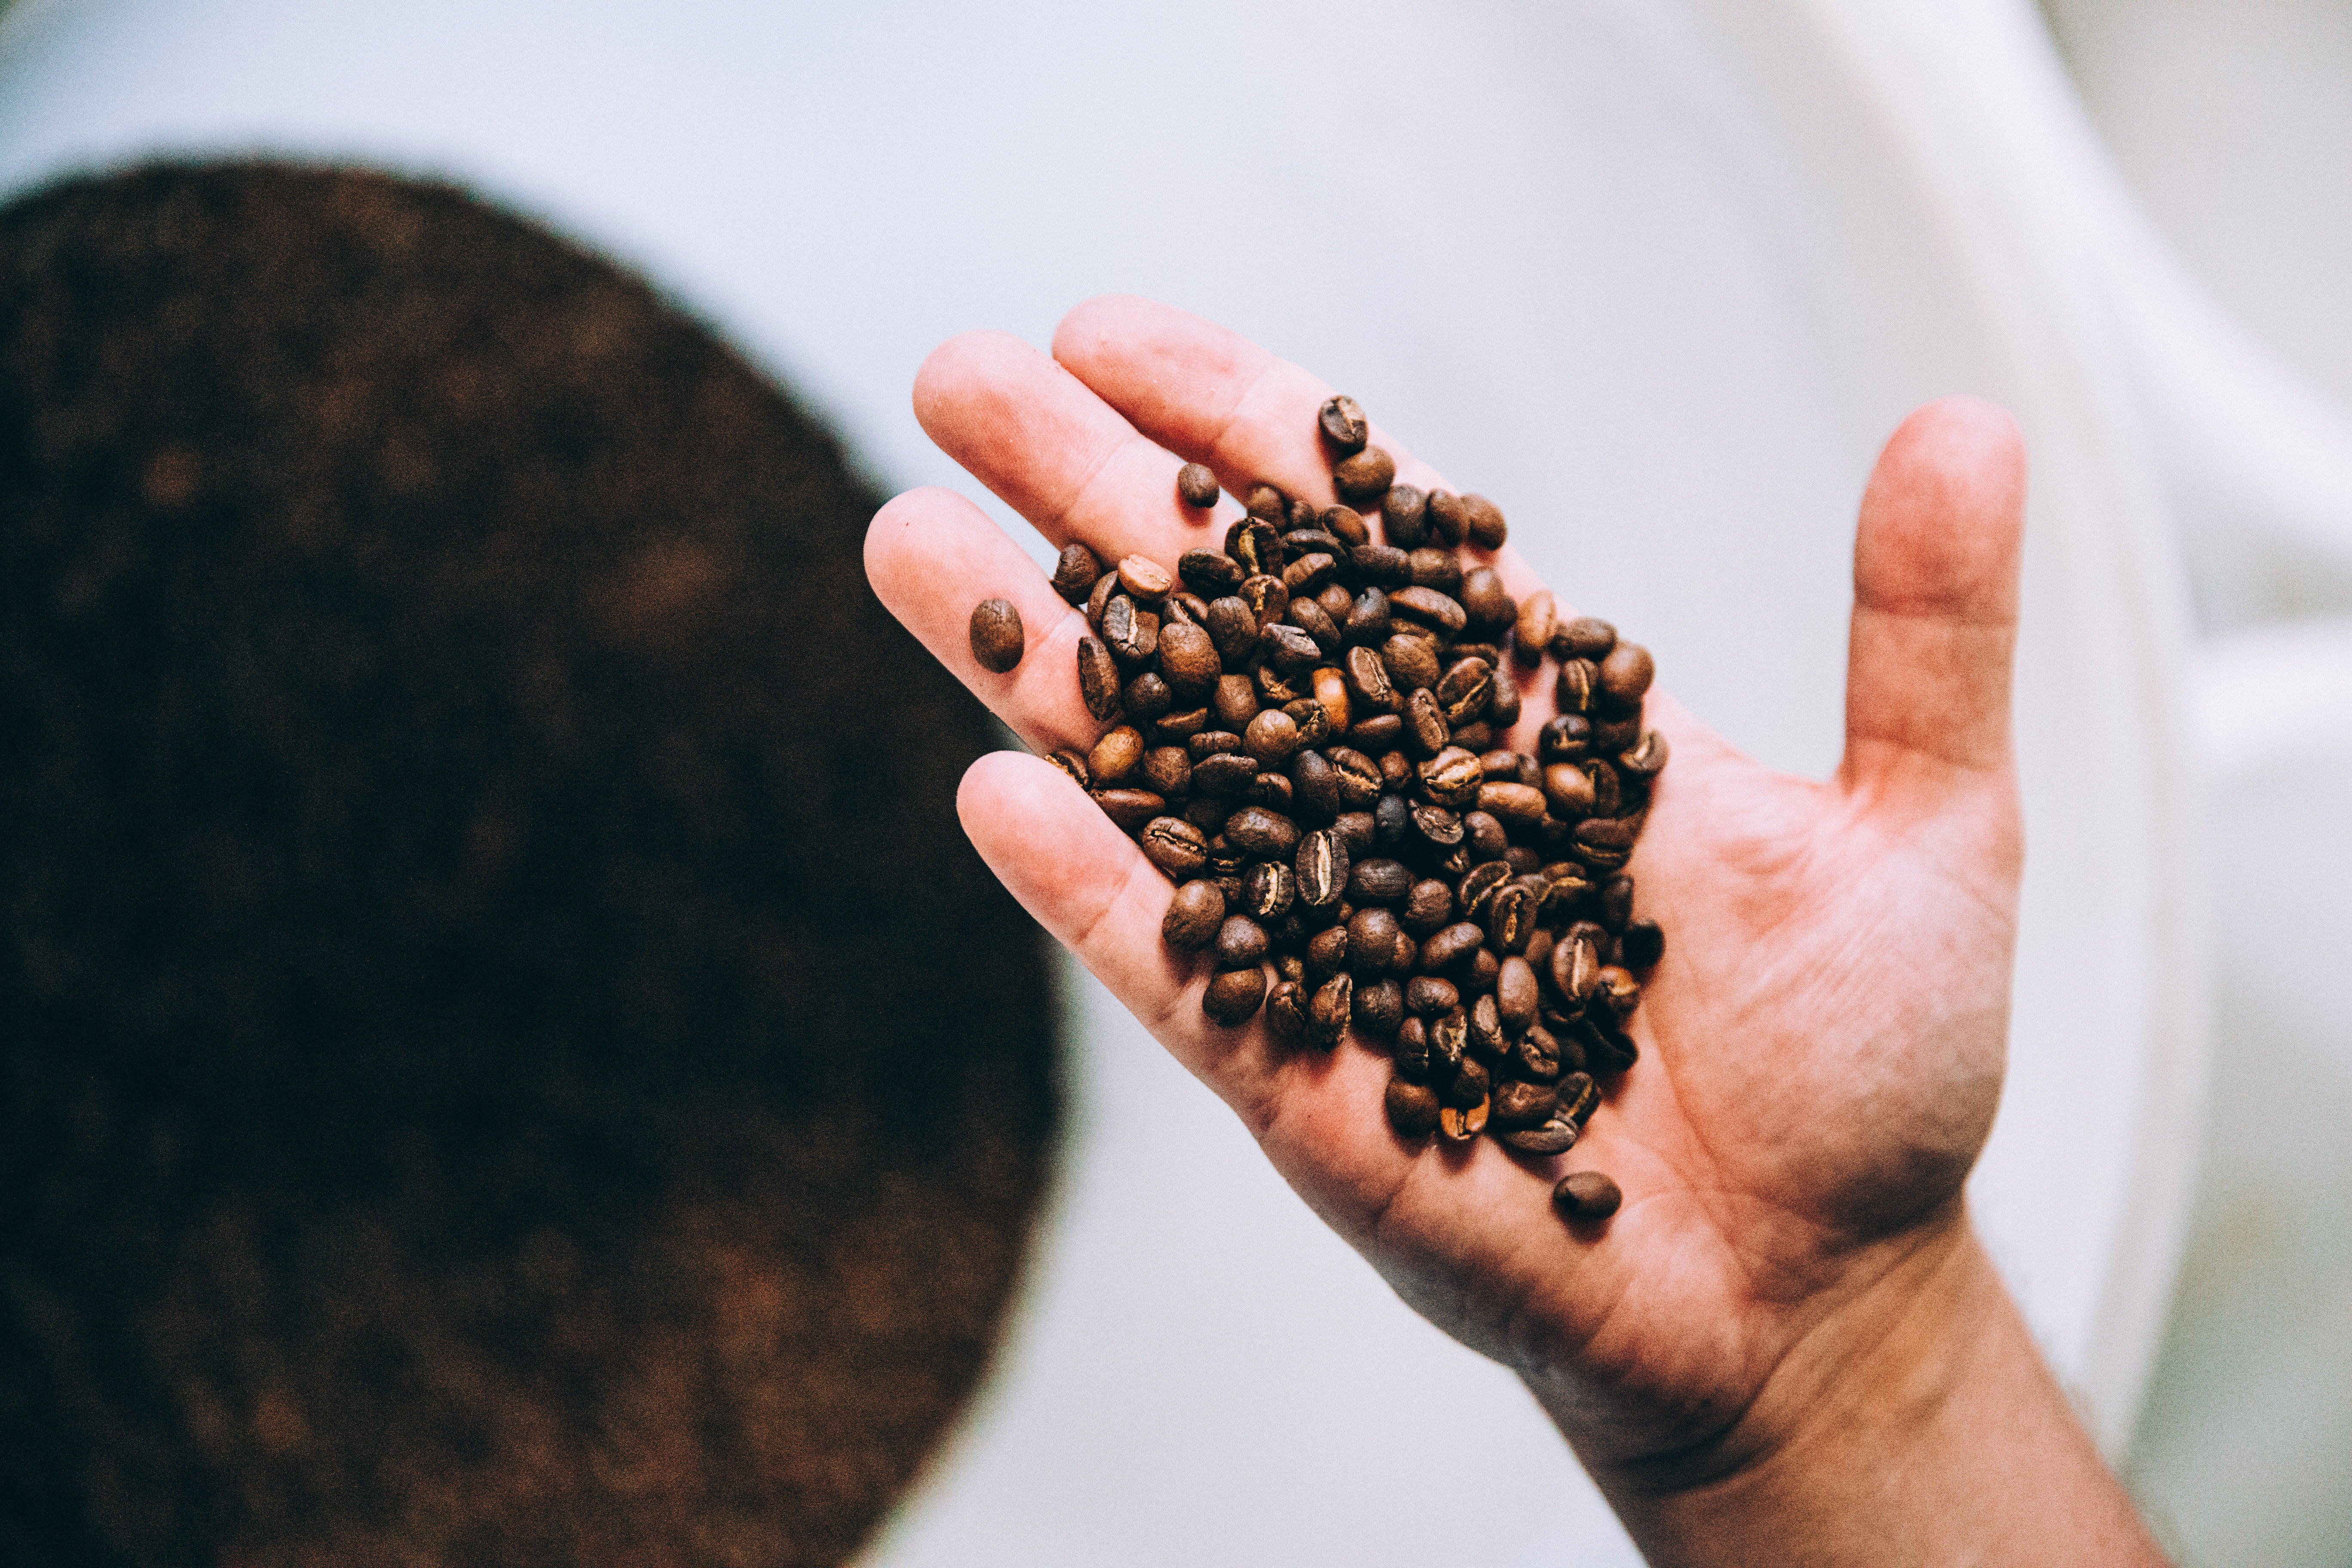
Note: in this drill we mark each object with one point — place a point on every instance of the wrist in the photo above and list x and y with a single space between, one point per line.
1912 1420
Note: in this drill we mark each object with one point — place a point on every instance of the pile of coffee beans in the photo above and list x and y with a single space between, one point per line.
1308 732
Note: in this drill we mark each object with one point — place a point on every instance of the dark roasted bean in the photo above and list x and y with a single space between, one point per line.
1322 869
1224 774
1193 916
1327 954
1451 778
1531 633
1269 891
1641 944
1408 1046
1072 763
996 636
1586 636
1626 674
1196 486
1436 569
1645 757
1146 698
1189 660
1382 565
1412 1109
1465 689
1371 941
1099 598
1285 1013
1310 617
1517 1104
1427 997
1579 1096
1209 742
1429 905
1328 1015
1232 627
1410 661
1075 572
1307 574
1503 707
1362 478
1613 737
1536 1054
1240 941
1551 1137
1578 682
1486 1037
1470 1081
1448 526
1346 524
1341 420
1268 502
1567 738
1567 789
1270 738
1448 946
1426 732
1380 1008
1379 880
1616 902
1478 885
1515 804
1576 962
1211 574
1368 678
1131 631
1487 603
1175 846
1234 996
1404 516
1130 808
1586 1195
1441 613
1317 781
1435 825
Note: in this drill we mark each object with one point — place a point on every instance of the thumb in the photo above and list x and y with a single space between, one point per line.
1935 603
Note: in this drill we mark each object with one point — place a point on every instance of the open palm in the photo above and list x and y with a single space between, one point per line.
1823 1044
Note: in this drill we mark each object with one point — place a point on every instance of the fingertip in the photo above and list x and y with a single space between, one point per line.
1943 514
949 373
1097 321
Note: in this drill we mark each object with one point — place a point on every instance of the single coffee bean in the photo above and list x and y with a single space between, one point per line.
1207 815
1567 738
1448 946
1189 660
1404 516
1146 698
1426 730
1308 573
1175 846
1131 632
1607 789
1368 677
1642 945
1619 989
1408 1046
1285 1013
1267 597
1256 545
1412 665
1536 1056
1145 579
1379 880
1224 774
1448 524
1573 691
1380 1008
1377 735
1382 566
1511 919
1328 1015
1503 706
1234 996
1615 902
1487 603
1234 702
1483 520
1183 607
1482 831
1460 1124
1116 755
1613 835
1268 892
1346 524
1268 503
1196 486
1341 420
1232 627
1478 885
1645 758
1211 574
1532 636
1412 1109
1486 1038
1576 962
1180 728
1615 736
1465 688
1373 935
1568 790
1579 1096
1099 598
1240 941
996 637
1626 673
1427 996
1074 573
1331 690
1441 613
1513 803
1327 954
1518 1104
1367 620
1436 826
1451 778
1194 916
1308 617
1427 907
1586 636
1586 1195
1362 478
1074 763
1130 808
1317 782
1273 791
1551 1137
1261 834
1438 570
1608 1048
1354 830
1478 736
1270 737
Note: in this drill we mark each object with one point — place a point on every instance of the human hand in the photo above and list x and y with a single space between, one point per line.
1823 1044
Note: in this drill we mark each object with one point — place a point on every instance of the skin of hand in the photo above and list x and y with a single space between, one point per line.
1822 1045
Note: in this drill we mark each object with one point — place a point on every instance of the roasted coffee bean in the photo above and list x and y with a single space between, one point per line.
1566 738
1478 885
1075 572
1144 579
1410 662
1645 758
1368 678
1130 808
1531 633
1482 833
1261 834
1379 880
1429 905
1286 1013
1131 632
1436 826
1116 755
1451 778
1486 1038
1377 735
1573 691
1448 946
1183 607
1180 728
996 637
1307 574
1074 763
1175 846
1511 919
1625 675
1317 782
1538 953
1266 502
1485 520
1226 774
1475 737
1470 1081
1440 612
1380 1008
1518 1104
1448 523
1362 478
1614 737
1460 1124
1642 945
1233 700
1608 835
1194 916
1616 902
1330 685
1412 1109
1427 997
1576 962
1196 486
1267 600
1256 546
1426 732
1270 737
1382 566
1579 1098
1608 1048
1273 791
1567 789
1439 570
1098 600
1487 603
1586 636
1551 1137
1287 649
1308 617
1354 830
1328 1015
1534 1055
1233 629
1327 954
1189 660
1515 804
1503 704
1463 691
1371 943
1586 1195
1348 525
1341 420
1211 574
1404 516
1619 989
1367 620
1240 941
1234 996
1269 891
1209 742
1408 1046
1322 868
1207 815
1146 698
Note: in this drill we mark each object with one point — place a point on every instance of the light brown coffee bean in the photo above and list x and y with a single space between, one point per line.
1116 755
1513 803
996 636
1460 1124
1130 808
1175 846
1539 615
1270 737
1586 636
1188 659
1449 522
1515 992
1452 777
1440 612
1330 1013
1362 478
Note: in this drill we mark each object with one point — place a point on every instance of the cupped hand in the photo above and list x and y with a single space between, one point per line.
1822 1043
